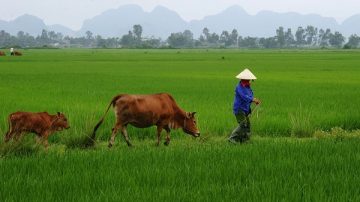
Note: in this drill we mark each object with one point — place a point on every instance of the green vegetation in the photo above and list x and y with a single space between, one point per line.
300 123
309 37
316 87
81 83
267 169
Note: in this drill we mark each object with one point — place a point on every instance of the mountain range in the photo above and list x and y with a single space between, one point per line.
161 22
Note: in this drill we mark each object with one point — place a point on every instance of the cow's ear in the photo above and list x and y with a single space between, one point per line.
193 114
58 113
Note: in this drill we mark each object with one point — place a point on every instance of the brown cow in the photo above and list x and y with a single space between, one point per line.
42 124
143 111
17 53
2 53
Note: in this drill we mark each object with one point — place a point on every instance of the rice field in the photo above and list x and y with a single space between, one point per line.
303 93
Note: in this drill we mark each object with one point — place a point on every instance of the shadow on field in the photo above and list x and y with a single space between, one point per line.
83 142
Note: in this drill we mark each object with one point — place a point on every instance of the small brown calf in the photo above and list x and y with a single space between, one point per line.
42 124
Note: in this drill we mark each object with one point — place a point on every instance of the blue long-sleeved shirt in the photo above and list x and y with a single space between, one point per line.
243 99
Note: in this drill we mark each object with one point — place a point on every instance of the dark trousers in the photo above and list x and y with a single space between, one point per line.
242 132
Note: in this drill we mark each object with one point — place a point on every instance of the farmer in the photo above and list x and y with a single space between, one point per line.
11 51
243 99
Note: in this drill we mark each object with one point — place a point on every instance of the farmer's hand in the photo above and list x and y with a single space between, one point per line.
256 101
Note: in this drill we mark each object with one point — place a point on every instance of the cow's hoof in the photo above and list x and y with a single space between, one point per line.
110 145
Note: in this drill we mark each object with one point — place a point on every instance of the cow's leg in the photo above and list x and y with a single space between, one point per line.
10 132
167 142
38 139
46 143
18 136
9 135
114 132
45 136
159 129
125 134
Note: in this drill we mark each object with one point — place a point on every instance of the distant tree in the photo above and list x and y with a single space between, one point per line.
310 34
89 39
271 42
248 42
5 39
108 42
320 38
25 39
100 42
181 39
89 35
44 35
151 43
225 38
289 38
324 37
111 42
67 41
213 38
239 39
52 36
280 37
20 34
43 39
59 36
354 41
336 39
208 39
300 36
234 37
189 37
176 40
202 39
137 30
21 39
128 40
229 39
206 34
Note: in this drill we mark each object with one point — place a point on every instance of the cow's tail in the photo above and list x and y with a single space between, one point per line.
93 135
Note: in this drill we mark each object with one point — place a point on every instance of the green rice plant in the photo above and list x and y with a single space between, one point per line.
81 142
300 123
272 167
80 135
23 147
267 169
81 83
320 134
337 134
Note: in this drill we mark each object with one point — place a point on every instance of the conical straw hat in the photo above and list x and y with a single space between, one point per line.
246 75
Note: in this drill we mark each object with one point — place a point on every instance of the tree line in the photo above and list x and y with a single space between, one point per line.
308 37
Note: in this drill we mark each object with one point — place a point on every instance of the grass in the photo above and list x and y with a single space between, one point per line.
269 169
272 167
80 83
300 122
25 147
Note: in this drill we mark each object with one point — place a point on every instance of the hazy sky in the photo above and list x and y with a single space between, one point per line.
72 13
